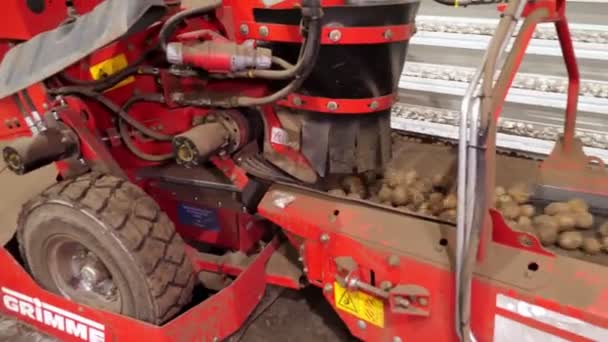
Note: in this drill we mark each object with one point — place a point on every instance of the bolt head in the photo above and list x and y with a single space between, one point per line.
397 339
324 238
374 105
361 324
296 100
388 34
423 301
328 288
393 260
332 105
335 35
264 31
305 269
244 29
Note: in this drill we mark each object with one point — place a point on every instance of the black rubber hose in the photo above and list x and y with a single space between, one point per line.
112 107
171 24
124 130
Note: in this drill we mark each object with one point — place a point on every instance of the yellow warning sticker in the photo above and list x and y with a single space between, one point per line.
359 304
110 67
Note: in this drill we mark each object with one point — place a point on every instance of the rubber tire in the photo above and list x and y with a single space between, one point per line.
126 229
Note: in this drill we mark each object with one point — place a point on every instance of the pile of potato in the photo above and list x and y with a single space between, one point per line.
403 189
568 225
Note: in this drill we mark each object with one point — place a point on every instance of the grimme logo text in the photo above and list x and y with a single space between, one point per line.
50 315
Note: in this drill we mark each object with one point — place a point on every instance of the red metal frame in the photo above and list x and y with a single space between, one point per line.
419 270
339 106
212 320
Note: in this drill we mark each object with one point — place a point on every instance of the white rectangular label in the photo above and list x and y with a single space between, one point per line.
552 318
508 330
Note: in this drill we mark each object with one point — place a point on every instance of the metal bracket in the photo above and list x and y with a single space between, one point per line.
413 300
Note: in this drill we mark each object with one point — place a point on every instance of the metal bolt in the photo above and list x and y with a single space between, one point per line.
397 339
402 302
305 270
386 285
264 31
374 105
296 100
332 105
423 301
388 34
324 238
393 260
361 324
328 288
335 35
244 29
216 339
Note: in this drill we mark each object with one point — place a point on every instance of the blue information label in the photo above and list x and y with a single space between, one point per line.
197 217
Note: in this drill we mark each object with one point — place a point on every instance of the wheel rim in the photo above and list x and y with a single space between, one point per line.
81 275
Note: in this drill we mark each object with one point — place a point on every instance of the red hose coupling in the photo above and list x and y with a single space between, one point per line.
219 56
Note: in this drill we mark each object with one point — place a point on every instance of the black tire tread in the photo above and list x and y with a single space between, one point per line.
139 223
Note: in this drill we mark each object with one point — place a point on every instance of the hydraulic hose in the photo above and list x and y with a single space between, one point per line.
112 107
172 23
124 130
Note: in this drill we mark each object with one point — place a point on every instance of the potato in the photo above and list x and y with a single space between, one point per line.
424 209
510 211
570 240
385 193
557 208
422 185
524 221
448 215
520 193
603 229
503 200
399 196
545 219
527 210
352 184
604 242
415 197
565 222
435 197
393 177
578 205
584 220
591 245
450 201
410 177
499 191
440 181
547 234
511 223
354 195
337 192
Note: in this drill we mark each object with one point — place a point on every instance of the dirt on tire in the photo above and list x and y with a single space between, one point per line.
136 222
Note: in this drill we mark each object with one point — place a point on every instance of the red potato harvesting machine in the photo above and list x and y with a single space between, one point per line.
216 147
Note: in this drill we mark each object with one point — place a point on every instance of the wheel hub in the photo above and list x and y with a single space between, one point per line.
80 274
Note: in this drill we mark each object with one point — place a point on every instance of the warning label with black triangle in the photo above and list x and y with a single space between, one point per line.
359 304
346 302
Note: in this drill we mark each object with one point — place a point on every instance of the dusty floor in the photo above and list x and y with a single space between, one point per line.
315 319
